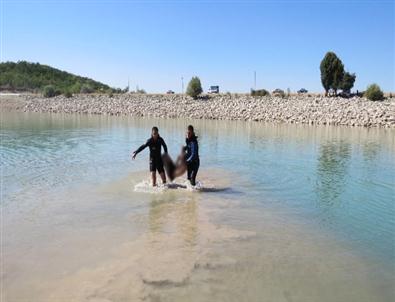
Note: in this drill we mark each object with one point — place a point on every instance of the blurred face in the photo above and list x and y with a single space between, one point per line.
189 133
155 134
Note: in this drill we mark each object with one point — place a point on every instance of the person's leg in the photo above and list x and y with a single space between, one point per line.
194 173
161 171
163 176
153 178
152 168
189 170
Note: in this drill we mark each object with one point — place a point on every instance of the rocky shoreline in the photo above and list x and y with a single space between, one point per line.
294 109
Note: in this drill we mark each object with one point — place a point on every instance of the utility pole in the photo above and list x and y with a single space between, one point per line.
254 80
182 85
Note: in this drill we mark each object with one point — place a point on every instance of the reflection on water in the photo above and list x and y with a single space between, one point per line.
184 213
332 167
370 151
289 213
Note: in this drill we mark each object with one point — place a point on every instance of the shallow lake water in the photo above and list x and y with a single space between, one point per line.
286 212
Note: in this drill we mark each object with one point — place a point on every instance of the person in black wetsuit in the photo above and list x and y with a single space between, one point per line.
192 156
155 157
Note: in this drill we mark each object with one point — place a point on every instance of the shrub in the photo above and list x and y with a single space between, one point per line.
68 94
141 91
374 93
86 89
260 92
194 87
110 93
76 88
49 91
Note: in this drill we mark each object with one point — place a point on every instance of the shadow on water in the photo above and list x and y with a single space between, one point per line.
225 190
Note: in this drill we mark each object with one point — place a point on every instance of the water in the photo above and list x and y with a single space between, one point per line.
285 212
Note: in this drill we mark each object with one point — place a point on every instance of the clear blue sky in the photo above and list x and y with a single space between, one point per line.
155 43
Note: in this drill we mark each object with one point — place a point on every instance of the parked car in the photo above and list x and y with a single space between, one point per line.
345 94
278 92
302 90
213 89
170 92
260 92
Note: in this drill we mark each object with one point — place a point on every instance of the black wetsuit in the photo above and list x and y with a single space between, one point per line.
192 159
155 157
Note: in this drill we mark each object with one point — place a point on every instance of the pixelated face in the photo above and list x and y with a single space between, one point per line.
155 134
189 133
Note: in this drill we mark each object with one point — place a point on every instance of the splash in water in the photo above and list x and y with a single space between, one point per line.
145 186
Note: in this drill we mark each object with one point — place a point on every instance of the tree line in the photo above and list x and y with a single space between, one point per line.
34 77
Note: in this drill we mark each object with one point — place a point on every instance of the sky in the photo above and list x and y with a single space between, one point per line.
155 44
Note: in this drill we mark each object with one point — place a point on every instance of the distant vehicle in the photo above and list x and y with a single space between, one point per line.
170 92
278 91
345 94
213 89
302 90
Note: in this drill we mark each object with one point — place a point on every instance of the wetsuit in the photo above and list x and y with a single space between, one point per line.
192 159
155 158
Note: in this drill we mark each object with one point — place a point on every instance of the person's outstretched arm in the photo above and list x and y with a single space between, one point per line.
141 148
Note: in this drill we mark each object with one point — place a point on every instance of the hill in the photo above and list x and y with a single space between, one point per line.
33 77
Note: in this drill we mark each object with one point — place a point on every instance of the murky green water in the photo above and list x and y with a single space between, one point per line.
296 213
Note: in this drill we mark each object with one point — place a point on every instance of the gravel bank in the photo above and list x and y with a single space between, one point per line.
295 109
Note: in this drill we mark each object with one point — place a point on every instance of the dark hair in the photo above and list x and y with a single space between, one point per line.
155 129
190 128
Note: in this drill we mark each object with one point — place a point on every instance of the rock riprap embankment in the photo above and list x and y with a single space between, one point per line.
295 109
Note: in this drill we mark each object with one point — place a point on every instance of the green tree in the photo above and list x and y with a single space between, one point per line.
67 94
110 93
194 87
348 82
86 88
374 93
332 72
75 88
141 91
49 91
